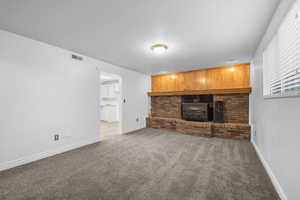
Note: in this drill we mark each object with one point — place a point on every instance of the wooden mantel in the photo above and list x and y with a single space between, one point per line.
198 92
221 80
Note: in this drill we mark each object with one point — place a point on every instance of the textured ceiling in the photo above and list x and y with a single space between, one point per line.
199 33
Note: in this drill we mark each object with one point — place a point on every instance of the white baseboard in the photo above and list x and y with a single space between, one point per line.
273 178
133 130
45 154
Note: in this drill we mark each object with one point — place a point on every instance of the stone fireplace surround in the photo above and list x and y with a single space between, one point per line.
166 114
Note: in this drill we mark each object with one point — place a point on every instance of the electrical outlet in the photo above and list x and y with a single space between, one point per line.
56 137
137 119
254 133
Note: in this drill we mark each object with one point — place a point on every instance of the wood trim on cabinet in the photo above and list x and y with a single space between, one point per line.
199 92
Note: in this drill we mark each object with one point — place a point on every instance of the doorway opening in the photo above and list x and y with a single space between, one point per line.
110 105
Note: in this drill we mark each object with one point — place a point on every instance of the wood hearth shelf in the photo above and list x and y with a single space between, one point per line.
199 92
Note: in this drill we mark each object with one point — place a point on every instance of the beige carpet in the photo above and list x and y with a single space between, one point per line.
148 164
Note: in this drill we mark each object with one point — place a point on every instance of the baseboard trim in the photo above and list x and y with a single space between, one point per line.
128 132
45 154
272 176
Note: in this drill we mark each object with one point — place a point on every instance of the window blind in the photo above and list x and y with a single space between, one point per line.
281 58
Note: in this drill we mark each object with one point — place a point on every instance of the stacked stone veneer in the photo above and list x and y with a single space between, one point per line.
166 114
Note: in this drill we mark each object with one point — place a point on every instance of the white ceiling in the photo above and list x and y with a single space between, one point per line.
199 33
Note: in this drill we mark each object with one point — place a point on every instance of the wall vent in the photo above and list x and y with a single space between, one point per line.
76 57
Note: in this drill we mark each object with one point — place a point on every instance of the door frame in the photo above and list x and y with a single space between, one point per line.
120 100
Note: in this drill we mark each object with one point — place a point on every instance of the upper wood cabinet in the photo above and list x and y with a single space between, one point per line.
228 77
236 76
168 82
195 80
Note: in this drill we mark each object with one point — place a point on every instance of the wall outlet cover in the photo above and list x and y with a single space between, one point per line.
56 137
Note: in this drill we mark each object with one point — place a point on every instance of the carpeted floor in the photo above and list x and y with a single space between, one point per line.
146 164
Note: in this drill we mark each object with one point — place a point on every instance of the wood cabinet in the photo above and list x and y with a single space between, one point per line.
227 77
236 76
195 80
168 82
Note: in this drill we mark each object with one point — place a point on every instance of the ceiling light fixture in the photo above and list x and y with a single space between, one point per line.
231 69
159 48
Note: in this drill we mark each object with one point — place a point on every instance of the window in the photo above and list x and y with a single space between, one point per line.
281 58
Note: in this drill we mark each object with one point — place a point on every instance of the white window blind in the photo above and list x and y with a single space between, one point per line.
281 58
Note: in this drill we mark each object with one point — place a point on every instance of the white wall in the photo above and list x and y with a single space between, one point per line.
276 122
45 92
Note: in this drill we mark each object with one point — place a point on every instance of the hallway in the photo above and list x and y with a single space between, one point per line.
109 129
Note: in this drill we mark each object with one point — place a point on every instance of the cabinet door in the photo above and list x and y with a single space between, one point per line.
112 92
102 91
103 113
195 80
237 76
112 113
168 82
116 87
109 91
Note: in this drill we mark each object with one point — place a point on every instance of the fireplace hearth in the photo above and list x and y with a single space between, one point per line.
224 116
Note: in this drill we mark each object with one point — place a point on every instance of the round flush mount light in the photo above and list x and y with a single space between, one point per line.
159 48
